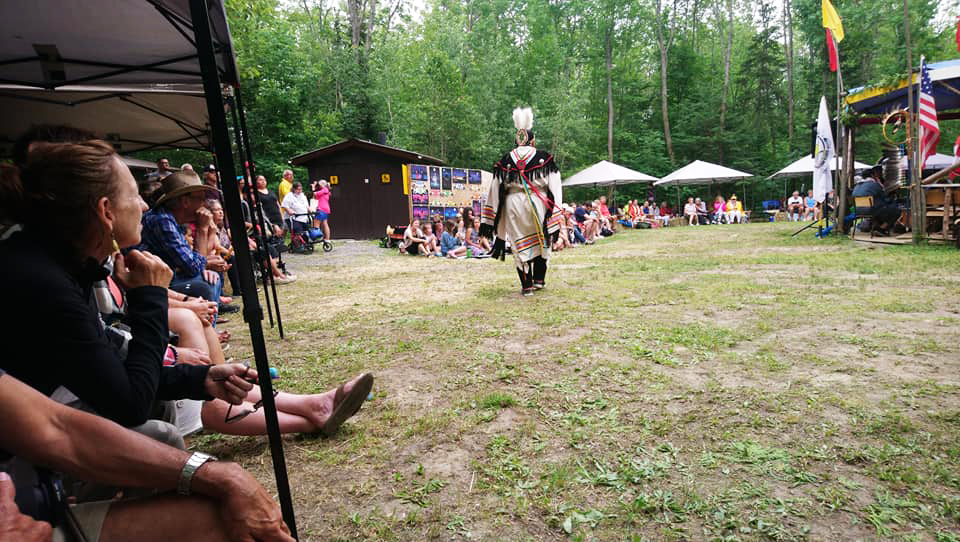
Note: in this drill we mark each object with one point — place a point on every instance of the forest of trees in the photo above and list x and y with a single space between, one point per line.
650 84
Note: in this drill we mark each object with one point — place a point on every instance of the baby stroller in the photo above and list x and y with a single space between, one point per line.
302 241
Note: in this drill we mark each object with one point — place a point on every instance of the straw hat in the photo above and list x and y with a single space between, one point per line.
180 183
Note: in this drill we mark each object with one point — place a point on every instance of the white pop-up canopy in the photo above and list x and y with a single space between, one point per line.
127 71
804 166
130 119
605 173
700 172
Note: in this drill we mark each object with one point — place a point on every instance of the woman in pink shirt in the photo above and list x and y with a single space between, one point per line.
322 195
719 209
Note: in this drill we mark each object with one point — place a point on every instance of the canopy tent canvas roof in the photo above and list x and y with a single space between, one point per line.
55 43
879 100
804 166
700 172
605 173
132 120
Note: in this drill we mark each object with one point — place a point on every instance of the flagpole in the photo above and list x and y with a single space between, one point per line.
838 144
916 192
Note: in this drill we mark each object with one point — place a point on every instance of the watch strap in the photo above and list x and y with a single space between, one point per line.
189 469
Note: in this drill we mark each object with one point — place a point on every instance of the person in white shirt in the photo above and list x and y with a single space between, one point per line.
690 211
795 206
297 208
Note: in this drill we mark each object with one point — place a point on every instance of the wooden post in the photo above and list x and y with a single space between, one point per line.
844 182
917 206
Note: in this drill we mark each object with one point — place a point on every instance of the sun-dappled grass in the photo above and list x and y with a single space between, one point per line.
714 383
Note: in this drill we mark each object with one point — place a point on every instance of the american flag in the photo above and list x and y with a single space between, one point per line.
929 127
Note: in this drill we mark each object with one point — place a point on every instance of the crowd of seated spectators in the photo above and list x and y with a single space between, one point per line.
115 354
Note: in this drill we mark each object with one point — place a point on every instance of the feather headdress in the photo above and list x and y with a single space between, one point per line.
523 122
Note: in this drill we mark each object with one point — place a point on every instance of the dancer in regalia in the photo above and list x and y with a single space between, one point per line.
524 205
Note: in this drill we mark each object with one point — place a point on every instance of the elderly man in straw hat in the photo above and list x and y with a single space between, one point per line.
181 204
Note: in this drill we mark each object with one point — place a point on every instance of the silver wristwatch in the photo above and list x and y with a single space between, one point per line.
189 469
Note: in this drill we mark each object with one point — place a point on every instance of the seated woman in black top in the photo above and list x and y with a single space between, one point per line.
86 190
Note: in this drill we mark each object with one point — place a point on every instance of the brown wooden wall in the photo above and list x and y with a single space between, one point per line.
362 209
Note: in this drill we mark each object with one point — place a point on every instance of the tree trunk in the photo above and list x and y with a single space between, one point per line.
368 40
727 54
662 45
353 11
609 52
788 43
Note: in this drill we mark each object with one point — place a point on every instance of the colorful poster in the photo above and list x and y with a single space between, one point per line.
420 212
473 176
435 178
450 213
446 180
418 173
436 211
459 175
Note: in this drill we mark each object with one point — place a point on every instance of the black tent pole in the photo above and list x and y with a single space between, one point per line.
247 154
253 197
252 312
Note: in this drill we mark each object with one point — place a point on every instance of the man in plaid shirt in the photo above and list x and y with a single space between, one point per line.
181 202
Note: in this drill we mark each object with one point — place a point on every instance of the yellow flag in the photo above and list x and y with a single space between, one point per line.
831 20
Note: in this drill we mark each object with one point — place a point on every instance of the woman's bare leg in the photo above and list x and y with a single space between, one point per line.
214 350
186 324
214 415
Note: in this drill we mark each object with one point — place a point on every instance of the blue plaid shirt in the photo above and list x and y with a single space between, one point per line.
161 236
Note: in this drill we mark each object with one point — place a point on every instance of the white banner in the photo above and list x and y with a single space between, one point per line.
823 154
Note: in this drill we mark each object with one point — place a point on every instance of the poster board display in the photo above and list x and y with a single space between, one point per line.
444 191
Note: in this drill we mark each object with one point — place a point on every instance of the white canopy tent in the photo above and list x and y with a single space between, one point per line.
804 166
699 172
131 119
605 173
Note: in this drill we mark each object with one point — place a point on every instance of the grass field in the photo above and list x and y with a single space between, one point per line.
713 383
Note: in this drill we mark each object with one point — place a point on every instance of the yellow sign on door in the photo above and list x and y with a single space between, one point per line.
334 179
385 178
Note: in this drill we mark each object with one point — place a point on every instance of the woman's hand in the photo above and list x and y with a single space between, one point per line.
192 356
230 382
138 269
205 310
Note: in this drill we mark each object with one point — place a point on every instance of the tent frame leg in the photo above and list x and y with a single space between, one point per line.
252 312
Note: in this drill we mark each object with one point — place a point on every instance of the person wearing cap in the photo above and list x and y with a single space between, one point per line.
181 200
885 211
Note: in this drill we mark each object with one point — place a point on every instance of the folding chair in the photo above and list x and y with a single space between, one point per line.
862 202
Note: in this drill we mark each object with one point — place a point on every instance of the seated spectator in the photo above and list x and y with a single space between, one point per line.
809 206
271 243
219 500
719 210
181 202
734 210
450 245
414 242
664 218
297 208
575 235
119 376
795 207
702 216
603 209
589 226
432 243
690 213
665 209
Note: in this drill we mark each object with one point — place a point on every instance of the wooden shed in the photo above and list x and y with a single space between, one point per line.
366 185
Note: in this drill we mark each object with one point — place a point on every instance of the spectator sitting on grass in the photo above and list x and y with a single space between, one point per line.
450 246
809 206
414 242
432 243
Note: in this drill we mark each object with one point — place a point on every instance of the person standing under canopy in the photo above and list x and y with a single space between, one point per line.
524 205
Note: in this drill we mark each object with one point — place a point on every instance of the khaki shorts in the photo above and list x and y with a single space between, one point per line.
90 517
